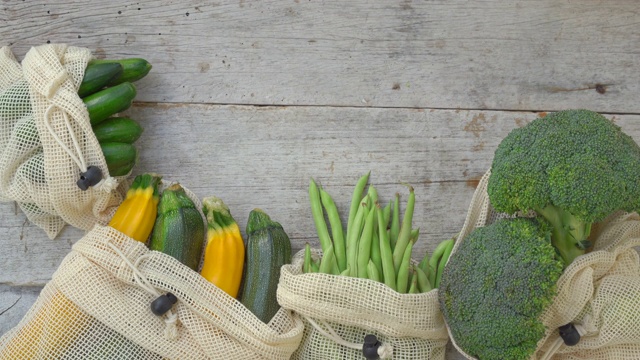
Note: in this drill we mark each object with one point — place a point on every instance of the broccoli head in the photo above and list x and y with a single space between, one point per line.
574 168
496 285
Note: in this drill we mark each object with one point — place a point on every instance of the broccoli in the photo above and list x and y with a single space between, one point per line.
497 284
573 168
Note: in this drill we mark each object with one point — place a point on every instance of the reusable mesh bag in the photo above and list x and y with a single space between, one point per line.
339 311
97 306
599 292
46 141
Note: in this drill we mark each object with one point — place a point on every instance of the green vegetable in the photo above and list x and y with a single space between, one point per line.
268 248
496 286
339 245
386 255
179 228
120 157
405 230
105 103
118 129
133 69
97 76
573 168
364 245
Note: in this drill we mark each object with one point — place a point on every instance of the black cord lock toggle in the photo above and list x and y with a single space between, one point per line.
370 347
163 304
89 178
569 334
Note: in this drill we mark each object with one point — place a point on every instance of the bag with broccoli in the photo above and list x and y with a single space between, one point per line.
47 143
545 265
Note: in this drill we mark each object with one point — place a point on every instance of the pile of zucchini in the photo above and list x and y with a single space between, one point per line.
107 89
377 244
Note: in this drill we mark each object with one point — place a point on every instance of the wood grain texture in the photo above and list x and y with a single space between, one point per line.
517 55
349 87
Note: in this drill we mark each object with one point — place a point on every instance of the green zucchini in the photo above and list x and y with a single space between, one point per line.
118 129
179 227
120 157
268 248
109 101
97 76
133 69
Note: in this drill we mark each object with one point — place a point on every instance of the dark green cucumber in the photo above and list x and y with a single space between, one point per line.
268 248
120 157
118 129
97 76
109 101
179 227
134 69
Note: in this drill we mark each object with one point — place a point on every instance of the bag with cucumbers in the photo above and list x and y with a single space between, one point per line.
63 149
362 296
158 282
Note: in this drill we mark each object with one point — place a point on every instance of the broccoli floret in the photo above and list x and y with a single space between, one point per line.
574 168
497 284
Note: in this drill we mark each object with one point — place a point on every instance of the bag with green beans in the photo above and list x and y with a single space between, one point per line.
362 294
51 161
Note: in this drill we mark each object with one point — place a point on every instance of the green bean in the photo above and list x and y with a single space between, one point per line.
403 270
413 288
405 230
387 214
415 233
375 245
373 194
315 267
443 262
339 246
306 268
435 259
395 222
386 257
318 216
355 202
352 242
424 263
328 263
364 245
372 272
423 280
345 272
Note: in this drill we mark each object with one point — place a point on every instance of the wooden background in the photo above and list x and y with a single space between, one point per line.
248 100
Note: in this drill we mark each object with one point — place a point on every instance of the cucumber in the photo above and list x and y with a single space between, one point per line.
120 157
179 227
268 248
134 69
109 101
118 129
97 76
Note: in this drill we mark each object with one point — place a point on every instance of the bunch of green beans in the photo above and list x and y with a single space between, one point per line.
377 243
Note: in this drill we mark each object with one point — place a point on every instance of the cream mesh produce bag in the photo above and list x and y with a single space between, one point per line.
339 311
599 292
97 306
46 140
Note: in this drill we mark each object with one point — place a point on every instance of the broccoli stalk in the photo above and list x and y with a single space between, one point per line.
568 233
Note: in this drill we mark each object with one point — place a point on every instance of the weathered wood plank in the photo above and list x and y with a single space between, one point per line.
523 55
14 304
264 157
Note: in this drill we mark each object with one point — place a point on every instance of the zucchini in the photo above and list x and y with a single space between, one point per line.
120 157
109 101
118 129
133 69
179 227
268 248
97 76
